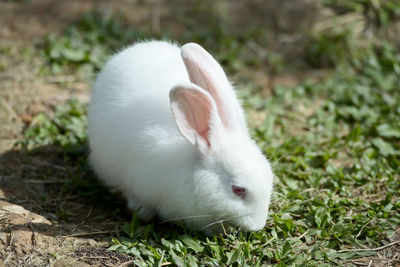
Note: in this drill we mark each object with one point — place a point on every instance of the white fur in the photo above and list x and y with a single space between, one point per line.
137 146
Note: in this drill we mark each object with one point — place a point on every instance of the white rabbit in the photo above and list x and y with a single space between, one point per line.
166 129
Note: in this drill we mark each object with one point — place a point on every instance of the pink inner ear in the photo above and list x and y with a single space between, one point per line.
192 108
197 115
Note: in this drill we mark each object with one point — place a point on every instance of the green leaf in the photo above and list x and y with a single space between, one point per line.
385 148
286 248
233 255
192 243
190 261
387 130
321 217
175 258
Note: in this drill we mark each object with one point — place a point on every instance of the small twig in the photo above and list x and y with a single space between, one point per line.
9 108
47 164
369 258
89 233
53 181
306 232
337 21
61 79
307 190
95 257
269 242
63 198
259 50
92 228
89 213
166 263
359 263
370 249
11 238
362 228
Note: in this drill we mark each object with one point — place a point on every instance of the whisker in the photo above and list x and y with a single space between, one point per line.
214 223
186 217
284 155
231 217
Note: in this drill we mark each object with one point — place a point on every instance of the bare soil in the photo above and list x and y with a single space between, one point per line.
35 227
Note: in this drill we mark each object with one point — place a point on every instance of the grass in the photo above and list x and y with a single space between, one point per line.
88 43
335 148
66 128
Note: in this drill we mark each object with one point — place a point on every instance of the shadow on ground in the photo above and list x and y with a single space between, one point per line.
50 202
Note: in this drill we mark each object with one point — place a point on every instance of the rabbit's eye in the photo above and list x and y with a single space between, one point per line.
239 191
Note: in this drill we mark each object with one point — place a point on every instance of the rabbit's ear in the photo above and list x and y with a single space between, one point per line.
195 113
205 72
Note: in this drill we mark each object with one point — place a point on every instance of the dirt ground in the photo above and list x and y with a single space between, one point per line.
33 232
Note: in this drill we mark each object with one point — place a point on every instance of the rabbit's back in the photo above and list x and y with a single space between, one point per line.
142 74
132 135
